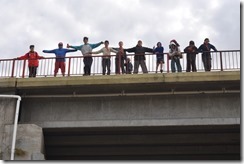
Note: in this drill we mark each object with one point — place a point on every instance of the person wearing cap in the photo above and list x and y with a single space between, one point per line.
86 50
205 48
106 61
191 52
159 51
139 58
33 60
60 53
175 55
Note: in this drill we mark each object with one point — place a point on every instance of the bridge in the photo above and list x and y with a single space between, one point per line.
169 116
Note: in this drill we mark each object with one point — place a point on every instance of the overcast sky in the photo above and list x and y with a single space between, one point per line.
47 22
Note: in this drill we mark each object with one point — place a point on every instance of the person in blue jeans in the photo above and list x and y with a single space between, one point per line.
175 55
159 51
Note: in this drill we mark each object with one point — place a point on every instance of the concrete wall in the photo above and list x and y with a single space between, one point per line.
29 142
199 109
7 112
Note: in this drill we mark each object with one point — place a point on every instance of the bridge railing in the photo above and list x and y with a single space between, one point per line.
221 61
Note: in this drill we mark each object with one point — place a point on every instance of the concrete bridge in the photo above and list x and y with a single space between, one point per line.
181 116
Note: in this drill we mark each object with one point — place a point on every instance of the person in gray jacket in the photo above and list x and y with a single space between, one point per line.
139 58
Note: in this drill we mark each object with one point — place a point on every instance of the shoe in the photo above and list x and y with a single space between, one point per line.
161 71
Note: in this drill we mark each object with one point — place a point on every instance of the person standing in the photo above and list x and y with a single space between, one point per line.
205 48
106 61
159 51
86 50
120 58
139 58
191 52
33 61
175 55
60 58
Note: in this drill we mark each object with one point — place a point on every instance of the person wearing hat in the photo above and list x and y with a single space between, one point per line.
191 52
205 48
60 53
175 55
33 61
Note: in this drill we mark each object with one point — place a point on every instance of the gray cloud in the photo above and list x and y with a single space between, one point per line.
45 23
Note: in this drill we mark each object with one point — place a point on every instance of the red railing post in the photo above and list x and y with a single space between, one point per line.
23 73
221 61
13 67
69 66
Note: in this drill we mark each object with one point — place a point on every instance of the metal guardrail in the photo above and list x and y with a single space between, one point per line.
9 68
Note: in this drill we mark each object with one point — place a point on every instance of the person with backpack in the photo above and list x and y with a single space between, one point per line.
33 60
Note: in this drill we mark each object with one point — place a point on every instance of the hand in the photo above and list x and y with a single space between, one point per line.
102 42
68 46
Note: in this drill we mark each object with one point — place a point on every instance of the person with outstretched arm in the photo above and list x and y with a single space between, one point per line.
139 58
60 53
86 50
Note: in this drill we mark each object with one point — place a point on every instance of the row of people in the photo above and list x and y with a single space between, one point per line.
121 60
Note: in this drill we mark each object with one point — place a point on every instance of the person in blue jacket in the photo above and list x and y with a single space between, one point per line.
205 48
159 51
60 58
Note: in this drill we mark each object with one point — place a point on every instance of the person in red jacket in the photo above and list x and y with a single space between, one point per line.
33 60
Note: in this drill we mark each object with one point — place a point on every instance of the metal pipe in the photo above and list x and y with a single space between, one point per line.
15 121
132 94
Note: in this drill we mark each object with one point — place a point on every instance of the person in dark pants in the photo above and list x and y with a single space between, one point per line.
120 58
191 52
86 50
33 61
106 61
159 51
205 48
139 58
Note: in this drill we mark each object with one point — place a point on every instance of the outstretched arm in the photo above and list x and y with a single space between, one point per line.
23 57
67 50
130 49
48 51
95 45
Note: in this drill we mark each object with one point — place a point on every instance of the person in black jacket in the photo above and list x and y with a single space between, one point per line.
205 48
139 58
191 52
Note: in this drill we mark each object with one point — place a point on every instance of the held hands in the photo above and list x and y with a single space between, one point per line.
68 46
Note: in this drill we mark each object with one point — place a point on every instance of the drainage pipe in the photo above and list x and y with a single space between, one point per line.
15 121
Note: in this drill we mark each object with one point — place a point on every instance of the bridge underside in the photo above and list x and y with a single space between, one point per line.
144 143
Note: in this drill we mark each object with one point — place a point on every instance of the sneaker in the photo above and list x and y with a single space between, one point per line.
161 71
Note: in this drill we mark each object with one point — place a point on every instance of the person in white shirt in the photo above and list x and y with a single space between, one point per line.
106 62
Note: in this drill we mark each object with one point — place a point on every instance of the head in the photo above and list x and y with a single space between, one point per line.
191 43
172 45
139 43
121 44
85 40
32 48
60 45
128 59
206 41
159 44
175 42
106 43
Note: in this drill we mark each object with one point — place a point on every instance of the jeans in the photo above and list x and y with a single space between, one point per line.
206 59
175 60
143 66
87 62
119 63
106 63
